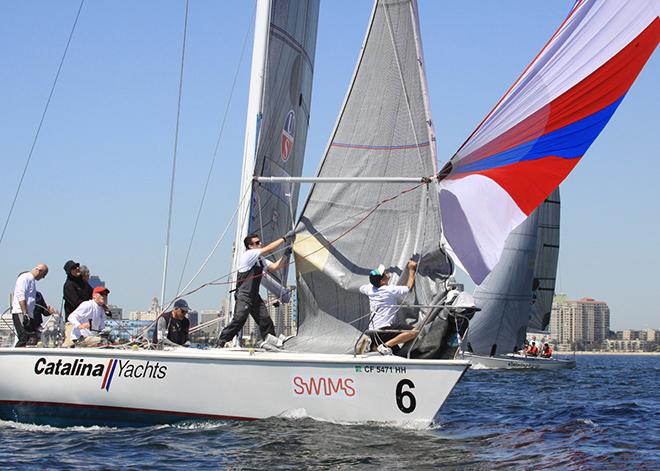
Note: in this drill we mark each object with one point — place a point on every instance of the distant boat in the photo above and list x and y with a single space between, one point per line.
517 294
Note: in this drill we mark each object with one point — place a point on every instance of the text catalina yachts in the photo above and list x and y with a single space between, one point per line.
78 367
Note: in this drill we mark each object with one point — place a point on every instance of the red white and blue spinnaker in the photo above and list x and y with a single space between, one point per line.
544 124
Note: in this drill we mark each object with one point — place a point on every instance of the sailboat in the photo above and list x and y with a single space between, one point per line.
127 387
518 294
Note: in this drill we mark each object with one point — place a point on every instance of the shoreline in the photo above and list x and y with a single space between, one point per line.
608 353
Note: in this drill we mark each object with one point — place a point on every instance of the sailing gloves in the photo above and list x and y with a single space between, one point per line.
289 236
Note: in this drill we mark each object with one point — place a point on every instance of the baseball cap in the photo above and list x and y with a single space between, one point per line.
101 290
380 271
181 304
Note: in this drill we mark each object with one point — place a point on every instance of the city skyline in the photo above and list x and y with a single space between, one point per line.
96 189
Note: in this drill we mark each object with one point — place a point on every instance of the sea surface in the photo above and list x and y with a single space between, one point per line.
605 414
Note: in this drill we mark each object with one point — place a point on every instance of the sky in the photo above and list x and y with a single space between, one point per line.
97 187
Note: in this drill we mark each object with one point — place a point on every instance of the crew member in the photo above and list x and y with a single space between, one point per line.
251 266
382 303
74 289
547 351
533 350
23 304
87 288
173 326
88 320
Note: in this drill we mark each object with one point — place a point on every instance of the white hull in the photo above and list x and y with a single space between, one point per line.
130 387
514 362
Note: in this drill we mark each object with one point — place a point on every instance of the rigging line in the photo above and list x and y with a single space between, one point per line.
217 243
217 282
215 151
403 84
180 293
176 145
330 242
41 122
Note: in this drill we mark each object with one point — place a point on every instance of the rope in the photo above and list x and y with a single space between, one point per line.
215 153
41 122
208 257
176 145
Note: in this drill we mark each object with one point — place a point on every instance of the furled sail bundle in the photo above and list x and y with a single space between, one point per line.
277 122
347 229
543 126
547 257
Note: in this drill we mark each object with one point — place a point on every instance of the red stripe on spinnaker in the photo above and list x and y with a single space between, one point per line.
529 182
545 46
598 90
107 372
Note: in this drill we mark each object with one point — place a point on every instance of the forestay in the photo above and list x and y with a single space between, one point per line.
547 256
384 129
279 119
543 125
505 295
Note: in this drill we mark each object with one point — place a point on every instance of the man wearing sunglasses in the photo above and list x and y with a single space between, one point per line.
252 265
173 327
23 304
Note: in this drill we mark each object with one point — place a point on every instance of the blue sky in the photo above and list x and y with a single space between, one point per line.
97 187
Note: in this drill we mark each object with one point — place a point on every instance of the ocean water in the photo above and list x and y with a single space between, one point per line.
605 414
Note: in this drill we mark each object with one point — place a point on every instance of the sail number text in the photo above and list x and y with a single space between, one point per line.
405 399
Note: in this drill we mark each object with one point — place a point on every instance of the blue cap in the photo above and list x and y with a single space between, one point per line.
181 304
380 271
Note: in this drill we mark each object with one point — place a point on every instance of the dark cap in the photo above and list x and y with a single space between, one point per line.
181 304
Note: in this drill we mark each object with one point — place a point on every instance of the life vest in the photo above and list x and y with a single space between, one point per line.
177 329
248 282
534 350
547 353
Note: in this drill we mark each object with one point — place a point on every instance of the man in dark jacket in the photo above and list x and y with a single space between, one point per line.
74 291
173 326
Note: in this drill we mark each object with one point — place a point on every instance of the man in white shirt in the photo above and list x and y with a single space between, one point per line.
252 264
23 303
383 301
88 320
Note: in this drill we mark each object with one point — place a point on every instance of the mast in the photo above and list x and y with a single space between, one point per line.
255 100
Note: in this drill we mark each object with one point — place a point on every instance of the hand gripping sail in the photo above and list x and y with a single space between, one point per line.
543 125
384 130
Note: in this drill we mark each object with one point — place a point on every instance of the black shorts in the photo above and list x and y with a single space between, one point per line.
381 335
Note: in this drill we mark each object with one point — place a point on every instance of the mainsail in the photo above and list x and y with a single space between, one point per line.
544 124
383 130
505 295
547 256
278 117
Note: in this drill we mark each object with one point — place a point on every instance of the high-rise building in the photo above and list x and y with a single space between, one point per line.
282 314
581 324
95 281
149 315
